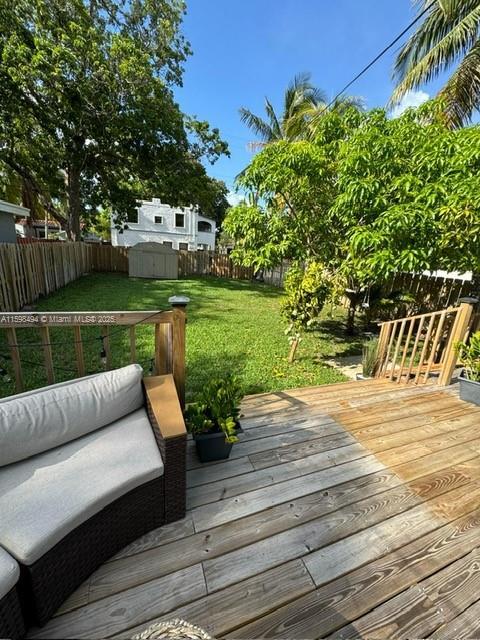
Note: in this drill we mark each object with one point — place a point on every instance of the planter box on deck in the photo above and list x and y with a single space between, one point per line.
469 389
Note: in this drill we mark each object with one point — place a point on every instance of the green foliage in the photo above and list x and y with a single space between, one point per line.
410 187
367 197
196 418
306 290
370 357
469 356
101 224
217 408
388 306
259 235
87 111
448 37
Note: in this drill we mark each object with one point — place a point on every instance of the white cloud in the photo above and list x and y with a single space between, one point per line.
235 198
410 99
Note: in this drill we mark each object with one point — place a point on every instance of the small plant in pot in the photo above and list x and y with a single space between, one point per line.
213 418
469 356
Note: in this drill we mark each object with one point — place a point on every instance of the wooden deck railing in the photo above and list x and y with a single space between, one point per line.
412 348
169 339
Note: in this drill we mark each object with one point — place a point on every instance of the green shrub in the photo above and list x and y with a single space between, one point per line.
469 356
217 408
306 290
370 357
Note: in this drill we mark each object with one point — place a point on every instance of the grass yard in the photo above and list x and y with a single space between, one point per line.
232 326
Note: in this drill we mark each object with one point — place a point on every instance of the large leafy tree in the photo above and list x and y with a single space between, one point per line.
87 113
411 187
448 38
369 196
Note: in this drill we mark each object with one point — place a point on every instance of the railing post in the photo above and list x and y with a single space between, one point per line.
460 328
179 305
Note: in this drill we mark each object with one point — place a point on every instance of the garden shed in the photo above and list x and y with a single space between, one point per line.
152 260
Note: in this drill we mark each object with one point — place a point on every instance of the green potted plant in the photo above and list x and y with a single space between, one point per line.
369 359
213 418
469 356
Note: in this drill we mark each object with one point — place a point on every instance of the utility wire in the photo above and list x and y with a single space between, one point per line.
380 55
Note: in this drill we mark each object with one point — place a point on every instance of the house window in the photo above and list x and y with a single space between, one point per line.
204 226
168 244
158 220
132 216
179 219
183 246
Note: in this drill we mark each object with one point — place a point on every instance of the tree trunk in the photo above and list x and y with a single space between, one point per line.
350 330
74 203
293 350
32 185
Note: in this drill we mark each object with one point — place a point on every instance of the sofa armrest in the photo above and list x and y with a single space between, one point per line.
165 414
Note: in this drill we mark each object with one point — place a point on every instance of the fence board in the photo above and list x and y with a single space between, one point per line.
34 269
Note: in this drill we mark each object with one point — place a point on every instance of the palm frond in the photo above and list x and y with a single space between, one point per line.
256 124
274 122
343 102
455 43
461 93
441 19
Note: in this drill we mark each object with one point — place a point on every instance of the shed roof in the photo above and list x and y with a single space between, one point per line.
151 247
14 209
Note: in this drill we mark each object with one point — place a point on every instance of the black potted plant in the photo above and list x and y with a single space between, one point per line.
469 356
213 418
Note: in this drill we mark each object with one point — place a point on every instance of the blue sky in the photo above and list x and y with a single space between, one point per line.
244 50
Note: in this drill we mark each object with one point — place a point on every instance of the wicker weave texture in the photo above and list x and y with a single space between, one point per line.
174 455
12 625
173 630
50 580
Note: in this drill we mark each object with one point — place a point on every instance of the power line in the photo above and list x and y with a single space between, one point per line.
380 55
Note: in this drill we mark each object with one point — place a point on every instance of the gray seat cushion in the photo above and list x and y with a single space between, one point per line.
9 573
45 497
38 420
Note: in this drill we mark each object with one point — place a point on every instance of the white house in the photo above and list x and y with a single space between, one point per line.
179 228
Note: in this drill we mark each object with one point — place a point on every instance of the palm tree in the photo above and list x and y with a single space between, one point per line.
303 105
299 95
448 35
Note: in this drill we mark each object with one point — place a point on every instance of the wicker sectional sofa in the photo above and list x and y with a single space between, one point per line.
11 620
86 467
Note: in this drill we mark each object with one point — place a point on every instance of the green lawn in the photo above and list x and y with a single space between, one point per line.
232 326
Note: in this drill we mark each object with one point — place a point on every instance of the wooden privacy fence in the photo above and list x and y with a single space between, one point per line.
104 257
28 271
168 330
410 349
432 292
202 263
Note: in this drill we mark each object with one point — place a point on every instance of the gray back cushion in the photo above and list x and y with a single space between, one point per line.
45 418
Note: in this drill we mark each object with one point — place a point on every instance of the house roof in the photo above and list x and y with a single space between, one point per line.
191 209
14 209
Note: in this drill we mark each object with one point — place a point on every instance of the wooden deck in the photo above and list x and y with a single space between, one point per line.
350 510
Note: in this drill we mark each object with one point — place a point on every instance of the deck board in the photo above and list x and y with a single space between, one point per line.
351 509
